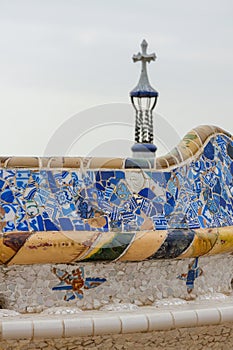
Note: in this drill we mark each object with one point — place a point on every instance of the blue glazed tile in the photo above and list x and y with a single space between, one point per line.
30 192
190 214
160 222
133 204
9 226
172 188
194 224
7 174
167 176
193 272
115 200
97 176
35 176
83 209
22 226
210 179
10 211
53 211
206 214
122 191
222 202
87 181
160 178
177 221
41 196
113 182
168 209
147 193
66 224
99 187
116 225
108 193
129 226
105 175
22 178
212 206
20 214
158 207
120 175
52 182
78 225
7 195
139 221
217 187
209 151
93 282
171 201
36 223
197 187
114 214
145 206
50 226
104 183
230 150
2 184
63 197
153 211
128 216
217 200
70 210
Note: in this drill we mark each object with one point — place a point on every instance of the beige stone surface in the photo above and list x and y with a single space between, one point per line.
218 337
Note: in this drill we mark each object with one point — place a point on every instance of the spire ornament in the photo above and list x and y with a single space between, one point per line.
144 98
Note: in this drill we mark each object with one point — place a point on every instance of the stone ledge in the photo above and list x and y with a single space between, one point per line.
99 323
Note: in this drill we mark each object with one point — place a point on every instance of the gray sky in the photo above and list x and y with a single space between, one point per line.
59 57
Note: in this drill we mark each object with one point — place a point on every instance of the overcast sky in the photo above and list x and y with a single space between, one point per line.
60 57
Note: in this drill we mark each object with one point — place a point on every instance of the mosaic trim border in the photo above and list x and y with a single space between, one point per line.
190 145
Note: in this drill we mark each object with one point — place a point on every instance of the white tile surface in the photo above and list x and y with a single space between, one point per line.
50 328
107 325
78 327
160 321
89 323
226 314
17 329
208 316
184 318
134 323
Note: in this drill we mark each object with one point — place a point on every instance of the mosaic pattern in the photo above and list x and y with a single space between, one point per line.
75 283
69 210
193 272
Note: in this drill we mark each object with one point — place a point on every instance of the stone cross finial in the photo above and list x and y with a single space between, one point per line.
144 56
144 89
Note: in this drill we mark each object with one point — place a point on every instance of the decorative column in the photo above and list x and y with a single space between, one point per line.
144 98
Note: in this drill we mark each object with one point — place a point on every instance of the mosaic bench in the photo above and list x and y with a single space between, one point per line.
69 225
66 210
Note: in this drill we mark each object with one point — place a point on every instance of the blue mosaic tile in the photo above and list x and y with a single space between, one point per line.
195 195
193 272
74 284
